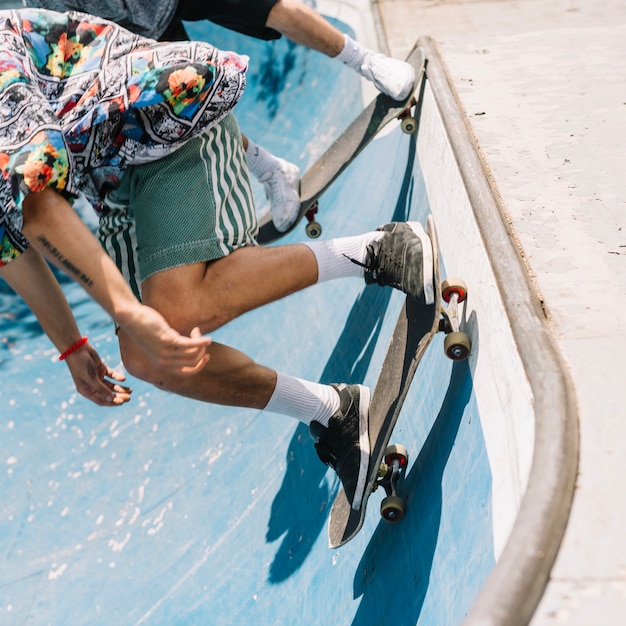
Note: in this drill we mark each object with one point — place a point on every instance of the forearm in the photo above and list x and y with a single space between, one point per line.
54 229
31 278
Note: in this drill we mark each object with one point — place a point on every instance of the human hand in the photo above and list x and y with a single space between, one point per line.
57 232
90 376
169 350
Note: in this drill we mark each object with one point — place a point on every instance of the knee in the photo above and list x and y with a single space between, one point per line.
140 366
189 297
137 364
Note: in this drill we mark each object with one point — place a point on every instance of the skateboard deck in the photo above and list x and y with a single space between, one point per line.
316 180
416 326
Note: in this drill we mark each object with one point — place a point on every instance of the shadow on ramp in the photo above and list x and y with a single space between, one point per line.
349 363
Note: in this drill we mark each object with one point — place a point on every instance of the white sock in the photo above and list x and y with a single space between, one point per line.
352 54
335 256
303 399
260 161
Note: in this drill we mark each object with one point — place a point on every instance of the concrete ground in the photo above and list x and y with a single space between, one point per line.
543 83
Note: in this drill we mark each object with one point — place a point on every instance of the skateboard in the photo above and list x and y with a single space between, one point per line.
318 178
416 326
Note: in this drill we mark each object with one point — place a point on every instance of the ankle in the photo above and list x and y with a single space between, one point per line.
303 400
260 161
343 257
352 54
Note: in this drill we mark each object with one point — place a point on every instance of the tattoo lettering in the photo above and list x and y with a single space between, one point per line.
65 263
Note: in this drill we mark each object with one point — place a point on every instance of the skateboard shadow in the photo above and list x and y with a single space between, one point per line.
300 507
409 547
299 510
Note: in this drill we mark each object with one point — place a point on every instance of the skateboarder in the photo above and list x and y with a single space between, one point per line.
46 158
262 19
197 247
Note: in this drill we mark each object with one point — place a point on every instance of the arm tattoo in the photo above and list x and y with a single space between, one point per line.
70 268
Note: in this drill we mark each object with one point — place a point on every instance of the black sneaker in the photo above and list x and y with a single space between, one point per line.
345 444
402 258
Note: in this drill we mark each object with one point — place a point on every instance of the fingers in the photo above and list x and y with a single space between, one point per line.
190 371
167 349
196 334
114 393
114 374
189 354
106 393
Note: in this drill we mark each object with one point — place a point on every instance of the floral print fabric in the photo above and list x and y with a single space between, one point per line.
82 98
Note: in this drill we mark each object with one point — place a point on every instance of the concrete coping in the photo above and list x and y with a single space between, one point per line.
515 586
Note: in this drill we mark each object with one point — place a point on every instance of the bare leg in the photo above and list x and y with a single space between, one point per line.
215 293
230 377
302 25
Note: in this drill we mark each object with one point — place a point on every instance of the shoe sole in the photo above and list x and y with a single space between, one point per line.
364 445
428 265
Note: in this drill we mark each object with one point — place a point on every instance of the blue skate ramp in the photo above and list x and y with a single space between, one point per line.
168 511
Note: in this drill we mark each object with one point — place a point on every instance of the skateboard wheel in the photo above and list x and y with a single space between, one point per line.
409 125
398 453
392 509
457 346
453 285
313 230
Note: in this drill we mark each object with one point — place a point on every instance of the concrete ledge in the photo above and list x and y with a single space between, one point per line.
514 588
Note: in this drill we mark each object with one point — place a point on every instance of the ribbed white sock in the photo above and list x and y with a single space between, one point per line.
260 161
352 54
335 256
303 399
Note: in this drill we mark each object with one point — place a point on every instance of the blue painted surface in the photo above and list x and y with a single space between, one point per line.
167 511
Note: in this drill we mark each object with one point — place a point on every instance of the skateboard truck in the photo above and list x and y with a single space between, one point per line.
390 472
408 123
457 345
313 228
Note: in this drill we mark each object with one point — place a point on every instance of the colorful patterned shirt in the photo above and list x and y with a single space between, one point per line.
82 98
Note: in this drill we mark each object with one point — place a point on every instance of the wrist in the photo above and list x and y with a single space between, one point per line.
128 315
75 346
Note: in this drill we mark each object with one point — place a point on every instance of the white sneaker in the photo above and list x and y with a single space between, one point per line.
392 77
282 188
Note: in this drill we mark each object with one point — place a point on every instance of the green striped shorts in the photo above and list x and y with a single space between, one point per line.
194 205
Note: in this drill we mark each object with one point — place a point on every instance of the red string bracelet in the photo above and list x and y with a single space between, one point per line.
82 341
